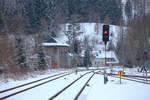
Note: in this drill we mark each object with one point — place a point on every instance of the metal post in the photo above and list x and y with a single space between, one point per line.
146 76
105 77
105 54
120 79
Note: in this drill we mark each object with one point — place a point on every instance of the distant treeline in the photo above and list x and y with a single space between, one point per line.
33 12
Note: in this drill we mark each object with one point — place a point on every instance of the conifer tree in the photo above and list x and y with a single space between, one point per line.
1 22
42 61
21 55
87 60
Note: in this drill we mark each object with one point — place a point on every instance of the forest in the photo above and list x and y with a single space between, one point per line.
33 13
24 24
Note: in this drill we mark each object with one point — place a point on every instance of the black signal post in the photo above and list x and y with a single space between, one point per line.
105 37
105 33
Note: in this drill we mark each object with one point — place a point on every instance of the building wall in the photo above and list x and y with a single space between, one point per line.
50 51
59 58
63 61
100 62
97 62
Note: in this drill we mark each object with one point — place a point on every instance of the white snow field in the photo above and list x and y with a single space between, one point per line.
96 89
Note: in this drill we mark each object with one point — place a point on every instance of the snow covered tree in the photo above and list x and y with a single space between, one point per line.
17 26
111 46
1 22
75 25
21 54
73 31
137 39
86 59
42 60
128 9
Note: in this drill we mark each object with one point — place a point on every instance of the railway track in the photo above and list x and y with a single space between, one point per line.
73 83
30 85
79 93
81 78
134 78
2 91
48 79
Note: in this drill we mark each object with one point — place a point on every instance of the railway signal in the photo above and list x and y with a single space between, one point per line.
105 38
105 33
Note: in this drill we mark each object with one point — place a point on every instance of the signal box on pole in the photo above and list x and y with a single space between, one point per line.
105 33
105 38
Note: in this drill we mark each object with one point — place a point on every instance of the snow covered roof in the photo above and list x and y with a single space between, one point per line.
55 42
101 54
35 56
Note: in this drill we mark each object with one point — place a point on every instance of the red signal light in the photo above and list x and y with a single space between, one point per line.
105 32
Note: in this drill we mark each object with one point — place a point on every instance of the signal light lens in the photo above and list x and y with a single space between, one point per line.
105 32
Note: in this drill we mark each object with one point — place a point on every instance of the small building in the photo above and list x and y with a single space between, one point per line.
58 52
98 59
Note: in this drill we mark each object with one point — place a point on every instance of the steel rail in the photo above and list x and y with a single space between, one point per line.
29 83
33 87
62 90
83 87
132 79
16 87
129 77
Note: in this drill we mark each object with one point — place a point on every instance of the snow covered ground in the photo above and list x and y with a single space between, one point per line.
113 90
96 89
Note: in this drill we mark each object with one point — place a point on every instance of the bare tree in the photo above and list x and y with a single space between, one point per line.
107 20
91 14
97 20
17 26
137 39
7 59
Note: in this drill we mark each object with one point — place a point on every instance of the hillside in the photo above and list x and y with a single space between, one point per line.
93 32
